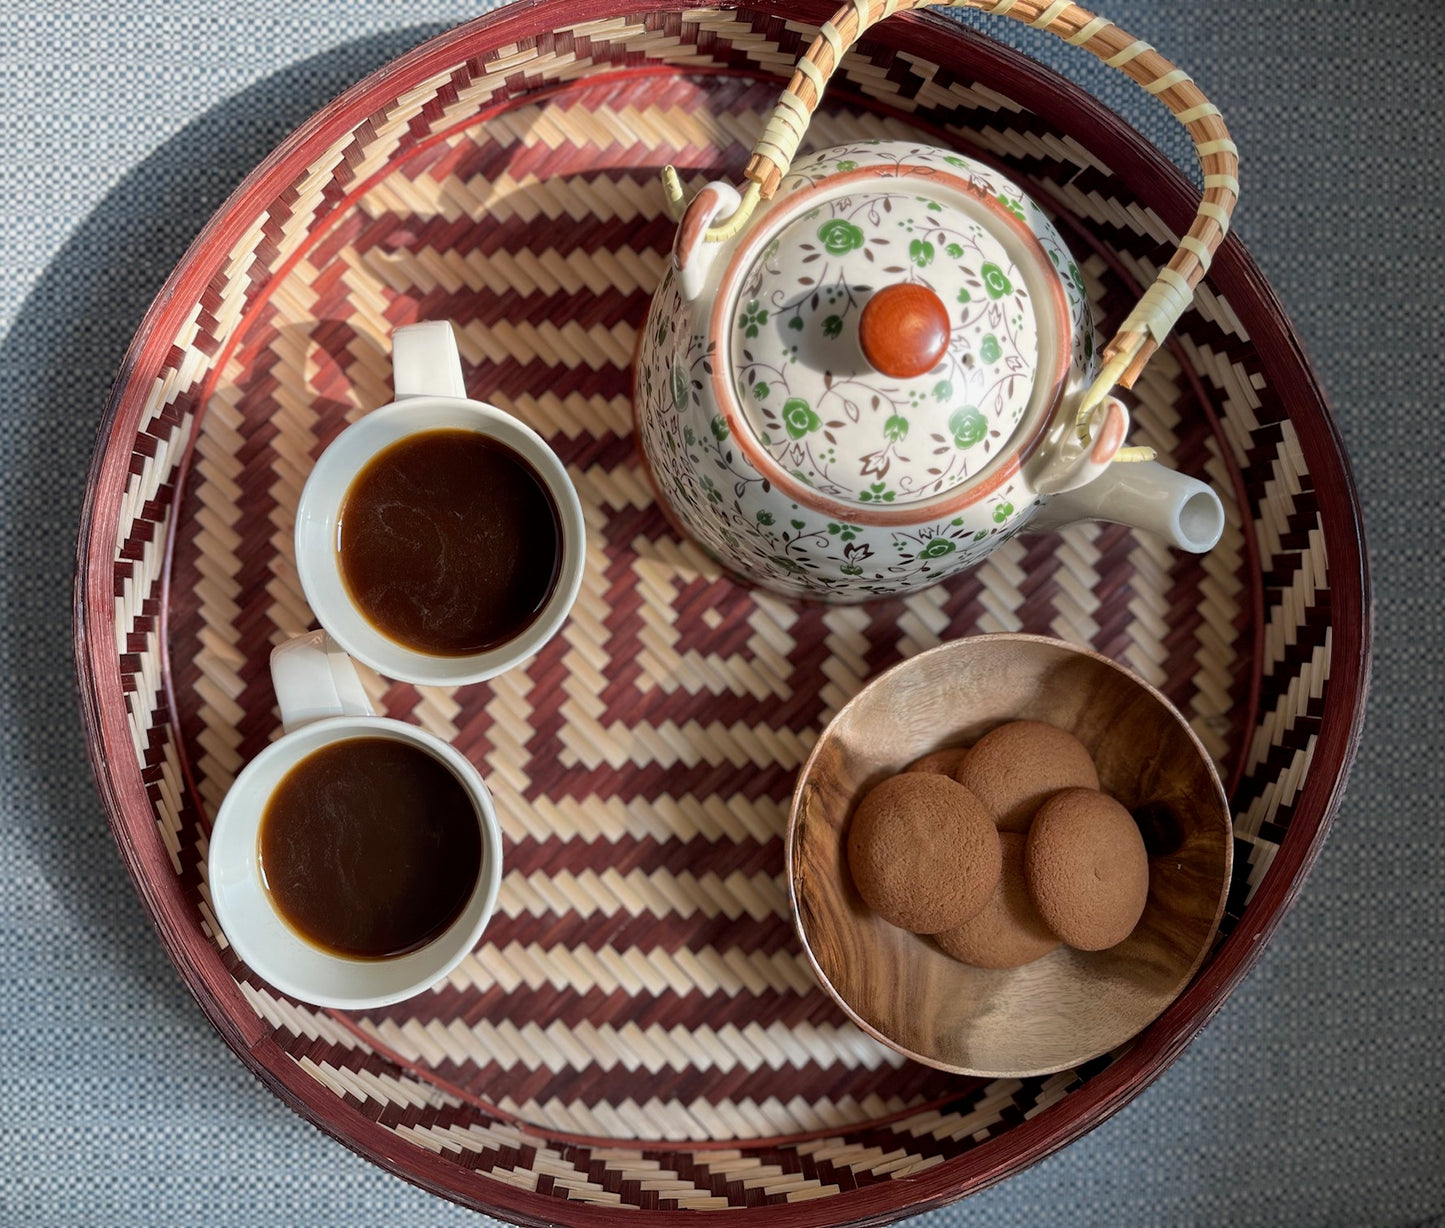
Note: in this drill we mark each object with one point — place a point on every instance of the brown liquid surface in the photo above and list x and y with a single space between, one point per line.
449 543
370 847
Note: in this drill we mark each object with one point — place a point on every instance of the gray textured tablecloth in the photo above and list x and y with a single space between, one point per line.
1317 1096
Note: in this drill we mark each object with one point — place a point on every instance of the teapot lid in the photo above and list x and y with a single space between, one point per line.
889 335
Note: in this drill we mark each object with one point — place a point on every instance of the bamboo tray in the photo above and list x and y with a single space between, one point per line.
638 1034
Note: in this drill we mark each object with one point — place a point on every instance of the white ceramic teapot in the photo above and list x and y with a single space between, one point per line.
877 364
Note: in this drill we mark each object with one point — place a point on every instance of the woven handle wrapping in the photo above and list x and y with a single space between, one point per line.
1163 303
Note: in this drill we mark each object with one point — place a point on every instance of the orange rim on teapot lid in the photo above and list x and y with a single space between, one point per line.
888 335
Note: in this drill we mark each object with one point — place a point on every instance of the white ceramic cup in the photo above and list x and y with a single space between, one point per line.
322 702
430 395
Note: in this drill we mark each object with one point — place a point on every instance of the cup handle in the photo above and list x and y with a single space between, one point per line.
313 679
425 362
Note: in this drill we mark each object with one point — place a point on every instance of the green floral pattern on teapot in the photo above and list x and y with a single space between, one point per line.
861 453
795 349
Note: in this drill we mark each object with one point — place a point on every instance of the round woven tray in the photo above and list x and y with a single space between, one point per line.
638 1032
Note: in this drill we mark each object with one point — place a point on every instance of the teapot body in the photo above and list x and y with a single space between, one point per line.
791 461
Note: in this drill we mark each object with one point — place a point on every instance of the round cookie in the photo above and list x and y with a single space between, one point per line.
1008 932
1012 769
923 852
945 761
1086 867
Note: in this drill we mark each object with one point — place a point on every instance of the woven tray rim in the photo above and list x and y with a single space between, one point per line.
1340 729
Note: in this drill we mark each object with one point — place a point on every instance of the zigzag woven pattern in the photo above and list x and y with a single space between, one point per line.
641 980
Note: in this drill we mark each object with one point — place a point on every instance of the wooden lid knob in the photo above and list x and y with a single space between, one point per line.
903 330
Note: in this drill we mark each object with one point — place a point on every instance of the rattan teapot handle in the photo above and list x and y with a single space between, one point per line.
1163 303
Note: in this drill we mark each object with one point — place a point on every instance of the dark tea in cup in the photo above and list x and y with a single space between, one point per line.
439 540
450 542
370 848
356 859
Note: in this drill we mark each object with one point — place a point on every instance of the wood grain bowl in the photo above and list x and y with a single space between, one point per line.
1071 1005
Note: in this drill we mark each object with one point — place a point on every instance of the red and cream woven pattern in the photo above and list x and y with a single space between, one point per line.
641 982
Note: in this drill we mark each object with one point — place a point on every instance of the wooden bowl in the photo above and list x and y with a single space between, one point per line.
1069 1006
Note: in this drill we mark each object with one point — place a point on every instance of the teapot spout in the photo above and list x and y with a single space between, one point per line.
1185 512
